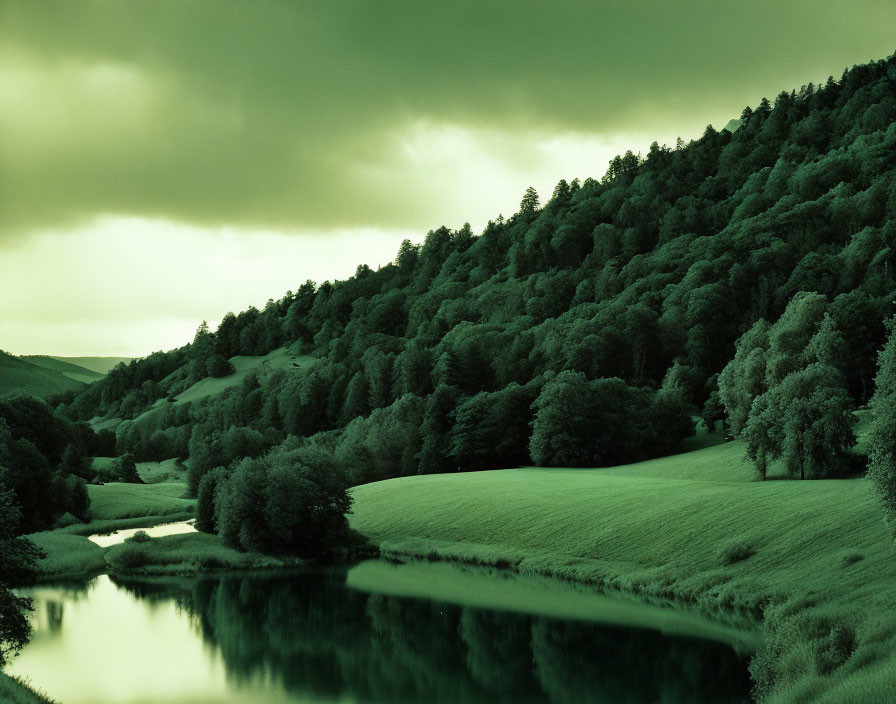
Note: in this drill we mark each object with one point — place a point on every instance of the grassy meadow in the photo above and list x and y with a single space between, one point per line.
812 559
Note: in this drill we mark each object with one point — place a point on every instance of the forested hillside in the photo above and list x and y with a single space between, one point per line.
744 276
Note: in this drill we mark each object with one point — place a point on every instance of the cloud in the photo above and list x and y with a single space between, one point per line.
305 116
127 286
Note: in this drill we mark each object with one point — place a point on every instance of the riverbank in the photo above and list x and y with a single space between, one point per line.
70 555
812 560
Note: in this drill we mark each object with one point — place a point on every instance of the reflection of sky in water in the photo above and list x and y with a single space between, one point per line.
119 536
112 647
312 637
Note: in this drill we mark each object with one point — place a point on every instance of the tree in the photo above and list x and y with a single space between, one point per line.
205 504
18 560
882 468
74 461
217 366
128 472
529 203
806 421
743 378
580 423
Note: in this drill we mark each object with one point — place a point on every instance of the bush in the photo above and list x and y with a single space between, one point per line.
217 366
737 551
141 536
130 555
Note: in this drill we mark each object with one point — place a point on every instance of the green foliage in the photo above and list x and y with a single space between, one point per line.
581 423
18 559
291 502
141 536
128 469
129 555
736 551
38 450
807 421
763 256
882 469
217 366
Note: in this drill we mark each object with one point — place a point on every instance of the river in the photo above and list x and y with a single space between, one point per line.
379 632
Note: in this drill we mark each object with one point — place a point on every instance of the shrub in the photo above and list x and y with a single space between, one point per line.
141 536
737 552
130 555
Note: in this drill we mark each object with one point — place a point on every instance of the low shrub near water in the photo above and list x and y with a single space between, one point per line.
800 647
130 555
737 551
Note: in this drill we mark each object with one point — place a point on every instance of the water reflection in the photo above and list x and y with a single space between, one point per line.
306 637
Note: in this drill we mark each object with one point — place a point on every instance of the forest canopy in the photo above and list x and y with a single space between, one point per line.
745 276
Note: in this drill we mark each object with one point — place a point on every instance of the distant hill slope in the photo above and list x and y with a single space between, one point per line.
19 376
68 369
102 365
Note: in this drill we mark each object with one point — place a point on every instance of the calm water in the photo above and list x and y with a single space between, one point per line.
329 636
104 540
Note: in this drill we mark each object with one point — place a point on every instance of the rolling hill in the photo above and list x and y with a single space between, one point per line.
102 365
67 369
19 376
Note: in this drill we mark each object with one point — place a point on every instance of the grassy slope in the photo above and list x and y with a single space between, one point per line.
20 377
16 691
113 501
67 369
662 527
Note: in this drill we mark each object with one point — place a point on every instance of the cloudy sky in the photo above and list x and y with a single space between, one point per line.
164 162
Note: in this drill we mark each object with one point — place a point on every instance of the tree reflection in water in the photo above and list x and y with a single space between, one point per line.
319 639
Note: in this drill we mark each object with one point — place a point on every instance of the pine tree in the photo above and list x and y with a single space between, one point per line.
529 204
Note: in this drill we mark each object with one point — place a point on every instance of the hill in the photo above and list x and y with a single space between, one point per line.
68 369
20 376
101 365
631 292
811 558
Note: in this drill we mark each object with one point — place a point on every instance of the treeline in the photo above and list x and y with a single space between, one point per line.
585 331
45 462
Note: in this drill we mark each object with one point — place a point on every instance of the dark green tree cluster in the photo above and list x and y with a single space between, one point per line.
45 462
786 395
882 469
292 501
748 271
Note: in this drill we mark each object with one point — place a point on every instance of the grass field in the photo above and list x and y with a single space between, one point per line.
813 558
115 500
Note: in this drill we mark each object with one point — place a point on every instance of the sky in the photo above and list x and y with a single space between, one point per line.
165 162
